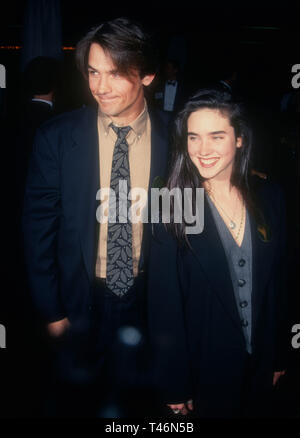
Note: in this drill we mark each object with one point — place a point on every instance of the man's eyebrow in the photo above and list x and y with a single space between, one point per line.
115 70
210 133
216 132
92 68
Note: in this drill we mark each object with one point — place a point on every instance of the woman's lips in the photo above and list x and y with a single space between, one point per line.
208 162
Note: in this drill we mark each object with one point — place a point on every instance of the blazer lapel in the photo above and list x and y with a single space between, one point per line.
209 251
159 150
262 256
158 167
86 155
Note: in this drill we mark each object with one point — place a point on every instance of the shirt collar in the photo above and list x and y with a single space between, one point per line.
138 126
171 82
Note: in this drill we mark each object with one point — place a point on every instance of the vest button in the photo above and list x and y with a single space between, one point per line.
242 262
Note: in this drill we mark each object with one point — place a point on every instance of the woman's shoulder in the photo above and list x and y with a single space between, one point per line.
269 197
266 189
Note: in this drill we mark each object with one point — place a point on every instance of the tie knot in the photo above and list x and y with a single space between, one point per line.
120 131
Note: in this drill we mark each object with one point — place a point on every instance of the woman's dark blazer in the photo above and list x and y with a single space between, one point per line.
194 325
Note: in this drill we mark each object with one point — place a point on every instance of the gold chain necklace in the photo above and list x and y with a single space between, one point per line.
232 224
241 222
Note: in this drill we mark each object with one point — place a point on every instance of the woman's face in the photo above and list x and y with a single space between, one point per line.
212 144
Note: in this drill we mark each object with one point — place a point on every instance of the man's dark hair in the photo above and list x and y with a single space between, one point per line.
41 75
129 46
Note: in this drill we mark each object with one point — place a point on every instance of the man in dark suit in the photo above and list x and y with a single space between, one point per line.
87 276
40 83
170 93
40 80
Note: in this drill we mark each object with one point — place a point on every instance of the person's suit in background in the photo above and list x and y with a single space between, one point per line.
34 113
169 93
40 81
61 232
169 97
194 325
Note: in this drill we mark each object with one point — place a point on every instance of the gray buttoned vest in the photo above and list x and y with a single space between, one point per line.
240 265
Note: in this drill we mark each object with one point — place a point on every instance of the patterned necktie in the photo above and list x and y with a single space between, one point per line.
119 267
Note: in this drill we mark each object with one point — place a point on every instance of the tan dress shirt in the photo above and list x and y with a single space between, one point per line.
139 143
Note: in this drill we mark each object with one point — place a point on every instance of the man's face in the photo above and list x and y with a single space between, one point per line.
119 97
170 71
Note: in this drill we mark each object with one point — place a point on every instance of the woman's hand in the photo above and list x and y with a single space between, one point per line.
182 408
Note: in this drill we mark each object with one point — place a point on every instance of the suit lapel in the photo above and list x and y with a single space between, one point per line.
159 157
262 256
158 168
209 251
86 156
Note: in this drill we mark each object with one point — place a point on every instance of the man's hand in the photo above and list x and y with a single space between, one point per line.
182 408
57 328
277 375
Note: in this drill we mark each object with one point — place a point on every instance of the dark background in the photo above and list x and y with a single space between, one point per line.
260 40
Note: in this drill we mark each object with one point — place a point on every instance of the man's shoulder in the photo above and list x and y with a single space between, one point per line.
68 120
157 125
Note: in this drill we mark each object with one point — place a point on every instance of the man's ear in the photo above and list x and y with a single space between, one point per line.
239 142
148 79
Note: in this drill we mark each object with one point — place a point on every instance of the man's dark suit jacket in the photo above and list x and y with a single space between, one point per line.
59 218
194 325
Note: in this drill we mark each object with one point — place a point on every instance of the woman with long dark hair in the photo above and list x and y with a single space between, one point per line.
216 298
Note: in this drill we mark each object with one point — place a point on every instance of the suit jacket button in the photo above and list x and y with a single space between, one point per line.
243 304
241 282
244 323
